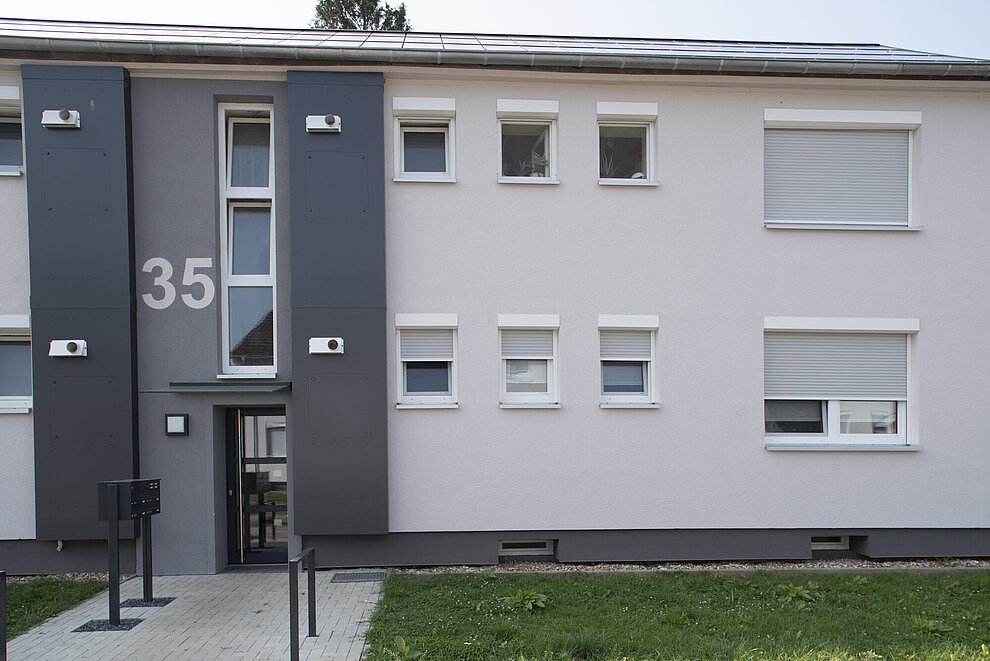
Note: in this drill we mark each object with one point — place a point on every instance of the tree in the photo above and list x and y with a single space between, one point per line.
360 15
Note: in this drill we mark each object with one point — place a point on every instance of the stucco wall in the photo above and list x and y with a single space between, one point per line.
16 429
695 252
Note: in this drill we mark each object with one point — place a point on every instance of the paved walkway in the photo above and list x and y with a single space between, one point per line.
226 616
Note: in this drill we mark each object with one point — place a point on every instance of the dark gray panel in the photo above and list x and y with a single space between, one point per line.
86 434
80 220
338 451
906 543
28 556
339 405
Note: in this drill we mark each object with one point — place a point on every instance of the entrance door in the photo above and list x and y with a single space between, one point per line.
257 517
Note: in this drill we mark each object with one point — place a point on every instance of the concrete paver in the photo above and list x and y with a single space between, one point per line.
238 615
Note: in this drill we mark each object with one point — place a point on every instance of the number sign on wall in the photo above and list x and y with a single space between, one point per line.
164 291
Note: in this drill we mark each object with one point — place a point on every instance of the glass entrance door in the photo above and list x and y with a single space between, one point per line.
260 520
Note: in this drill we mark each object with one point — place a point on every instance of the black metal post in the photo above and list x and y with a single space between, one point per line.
294 609
309 555
146 551
113 541
311 566
3 614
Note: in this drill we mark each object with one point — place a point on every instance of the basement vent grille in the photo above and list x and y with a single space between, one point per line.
358 577
525 547
830 543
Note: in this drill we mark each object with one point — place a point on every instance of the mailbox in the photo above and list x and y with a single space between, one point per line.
135 498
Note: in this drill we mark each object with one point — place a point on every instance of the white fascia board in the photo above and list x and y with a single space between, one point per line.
426 321
15 325
783 118
417 106
631 321
526 108
840 324
529 321
627 111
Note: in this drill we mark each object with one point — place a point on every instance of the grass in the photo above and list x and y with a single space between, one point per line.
684 616
37 599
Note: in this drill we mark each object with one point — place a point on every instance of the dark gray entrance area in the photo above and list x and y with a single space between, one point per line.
257 482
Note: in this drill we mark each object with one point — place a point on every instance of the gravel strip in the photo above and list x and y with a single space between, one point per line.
80 576
837 565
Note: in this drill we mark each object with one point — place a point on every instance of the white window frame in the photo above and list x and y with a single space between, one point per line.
906 437
515 400
10 112
232 197
17 328
7 170
529 113
422 115
864 120
424 322
630 114
630 322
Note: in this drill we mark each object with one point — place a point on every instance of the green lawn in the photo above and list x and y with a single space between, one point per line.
685 616
31 602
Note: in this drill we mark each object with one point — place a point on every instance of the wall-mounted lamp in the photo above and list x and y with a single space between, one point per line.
60 119
326 345
68 348
176 424
323 123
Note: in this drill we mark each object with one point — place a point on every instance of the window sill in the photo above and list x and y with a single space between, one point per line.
529 181
11 170
635 183
778 446
16 404
426 406
861 227
628 405
523 405
424 180
247 375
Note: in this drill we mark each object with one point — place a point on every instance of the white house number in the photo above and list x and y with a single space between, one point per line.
190 278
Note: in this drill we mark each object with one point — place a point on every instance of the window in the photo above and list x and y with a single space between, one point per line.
626 143
426 375
15 364
247 253
424 139
837 382
529 360
11 146
829 169
626 352
527 141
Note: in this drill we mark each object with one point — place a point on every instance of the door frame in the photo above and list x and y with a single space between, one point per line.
232 436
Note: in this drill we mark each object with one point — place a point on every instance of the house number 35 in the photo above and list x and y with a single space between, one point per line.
190 278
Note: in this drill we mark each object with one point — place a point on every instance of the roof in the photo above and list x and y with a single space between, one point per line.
176 43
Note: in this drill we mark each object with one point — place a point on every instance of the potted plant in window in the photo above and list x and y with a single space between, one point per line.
538 166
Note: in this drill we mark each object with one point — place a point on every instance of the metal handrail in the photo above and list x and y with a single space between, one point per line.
309 555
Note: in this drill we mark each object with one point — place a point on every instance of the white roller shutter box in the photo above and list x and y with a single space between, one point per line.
836 176
426 344
835 366
625 345
527 344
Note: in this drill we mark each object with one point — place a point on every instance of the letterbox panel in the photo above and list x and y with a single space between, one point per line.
135 498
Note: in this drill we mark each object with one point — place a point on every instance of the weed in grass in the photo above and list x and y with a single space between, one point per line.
924 625
527 599
401 650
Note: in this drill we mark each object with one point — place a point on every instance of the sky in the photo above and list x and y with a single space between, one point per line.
952 27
